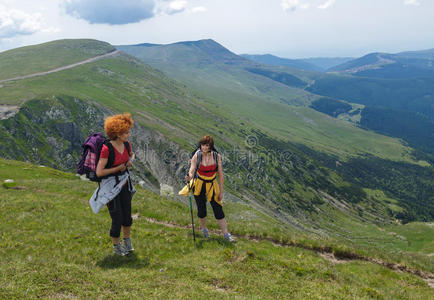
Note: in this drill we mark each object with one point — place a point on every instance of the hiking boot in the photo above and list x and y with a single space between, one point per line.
205 233
119 250
229 238
128 246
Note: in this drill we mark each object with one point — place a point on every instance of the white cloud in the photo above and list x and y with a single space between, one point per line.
199 9
412 2
176 6
171 7
15 22
293 5
327 4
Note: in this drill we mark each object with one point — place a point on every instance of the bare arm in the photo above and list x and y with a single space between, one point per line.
101 171
220 174
193 165
132 157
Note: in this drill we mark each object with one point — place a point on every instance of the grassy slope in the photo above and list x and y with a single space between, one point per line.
136 86
139 89
52 245
33 59
147 93
264 102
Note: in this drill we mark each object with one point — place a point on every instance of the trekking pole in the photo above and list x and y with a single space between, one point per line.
191 211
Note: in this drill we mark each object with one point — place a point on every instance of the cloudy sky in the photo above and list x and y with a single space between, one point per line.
287 28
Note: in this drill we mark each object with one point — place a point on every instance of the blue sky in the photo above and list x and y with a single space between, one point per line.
287 28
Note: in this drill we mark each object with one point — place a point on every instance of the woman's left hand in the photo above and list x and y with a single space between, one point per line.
129 163
220 197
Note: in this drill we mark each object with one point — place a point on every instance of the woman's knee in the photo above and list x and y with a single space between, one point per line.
115 231
218 210
128 222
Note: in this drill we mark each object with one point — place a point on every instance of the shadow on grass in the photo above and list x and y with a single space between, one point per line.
113 261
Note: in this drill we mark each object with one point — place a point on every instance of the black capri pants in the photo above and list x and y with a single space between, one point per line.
120 211
201 205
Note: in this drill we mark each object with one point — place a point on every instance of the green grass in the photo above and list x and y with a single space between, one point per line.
48 56
417 235
156 102
390 242
53 246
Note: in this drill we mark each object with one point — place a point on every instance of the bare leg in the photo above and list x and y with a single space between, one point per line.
126 231
223 225
202 223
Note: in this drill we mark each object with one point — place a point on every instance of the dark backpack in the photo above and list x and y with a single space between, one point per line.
91 153
199 158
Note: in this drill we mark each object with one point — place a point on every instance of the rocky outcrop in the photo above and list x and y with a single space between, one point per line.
7 111
51 132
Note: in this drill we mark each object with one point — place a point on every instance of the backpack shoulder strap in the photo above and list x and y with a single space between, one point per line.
111 157
215 155
199 161
127 146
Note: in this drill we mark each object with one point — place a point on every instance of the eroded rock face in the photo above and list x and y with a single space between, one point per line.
51 132
8 111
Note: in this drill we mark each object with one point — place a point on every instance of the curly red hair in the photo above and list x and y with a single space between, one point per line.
116 125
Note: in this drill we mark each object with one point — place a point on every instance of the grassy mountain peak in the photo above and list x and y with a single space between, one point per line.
48 56
201 52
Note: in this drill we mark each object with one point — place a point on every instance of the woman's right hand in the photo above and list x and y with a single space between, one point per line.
122 168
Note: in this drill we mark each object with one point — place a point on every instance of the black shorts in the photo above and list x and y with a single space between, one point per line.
201 206
120 211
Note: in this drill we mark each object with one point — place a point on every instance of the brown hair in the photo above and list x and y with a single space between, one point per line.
116 125
207 140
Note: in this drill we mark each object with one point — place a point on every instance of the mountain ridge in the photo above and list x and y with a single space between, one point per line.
318 64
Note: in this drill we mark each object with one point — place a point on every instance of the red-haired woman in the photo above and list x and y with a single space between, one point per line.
206 165
117 128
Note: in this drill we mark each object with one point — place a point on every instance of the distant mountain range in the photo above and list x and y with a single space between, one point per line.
266 94
384 65
400 65
425 54
319 64
397 88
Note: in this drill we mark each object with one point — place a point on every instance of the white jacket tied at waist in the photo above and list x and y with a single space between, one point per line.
108 190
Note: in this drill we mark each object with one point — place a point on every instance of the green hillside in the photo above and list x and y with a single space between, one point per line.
53 246
33 59
279 158
262 99
228 80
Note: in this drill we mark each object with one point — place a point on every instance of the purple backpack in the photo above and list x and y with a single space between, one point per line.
91 152
90 155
